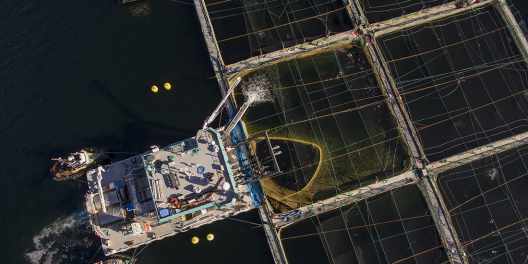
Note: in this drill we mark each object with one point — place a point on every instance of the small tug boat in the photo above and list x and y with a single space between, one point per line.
117 259
78 163
125 1
170 190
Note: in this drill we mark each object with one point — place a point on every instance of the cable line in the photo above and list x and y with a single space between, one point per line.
355 227
456 43
318 117
244 221
182 2
471 110
516 178
95 254
255 32
417 254
135 256
475 240
465 77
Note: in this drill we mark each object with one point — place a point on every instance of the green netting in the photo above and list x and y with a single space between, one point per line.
329 107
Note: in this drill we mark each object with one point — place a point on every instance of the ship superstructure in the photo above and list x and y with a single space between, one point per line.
77 164
163 192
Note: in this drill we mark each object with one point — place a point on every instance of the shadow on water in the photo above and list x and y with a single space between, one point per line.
99 86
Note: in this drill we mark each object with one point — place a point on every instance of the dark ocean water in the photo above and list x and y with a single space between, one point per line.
77 74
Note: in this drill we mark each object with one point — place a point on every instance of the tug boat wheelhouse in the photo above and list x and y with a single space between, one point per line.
77 164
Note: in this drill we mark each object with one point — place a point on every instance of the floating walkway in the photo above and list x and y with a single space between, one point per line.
345 199
420 17
293 51
410 137
396 105
513 27
271 235
444 227
212 48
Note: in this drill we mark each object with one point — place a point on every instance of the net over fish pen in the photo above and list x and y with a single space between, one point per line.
394 227
248 28
328 115
381 10
462 80
486 203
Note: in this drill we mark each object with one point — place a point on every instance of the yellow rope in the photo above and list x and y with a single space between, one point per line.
218 2
318 164
466 77
494 232
355 227
448 45
470 110
280 25
416 254
516 178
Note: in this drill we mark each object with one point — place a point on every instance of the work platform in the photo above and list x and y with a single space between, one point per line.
139 193
197 164
290 217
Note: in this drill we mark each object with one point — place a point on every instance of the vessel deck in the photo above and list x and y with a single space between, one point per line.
185 167
150 178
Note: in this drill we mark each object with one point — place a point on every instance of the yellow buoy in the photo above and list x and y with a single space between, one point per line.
154 89
210 237
195 240
167 86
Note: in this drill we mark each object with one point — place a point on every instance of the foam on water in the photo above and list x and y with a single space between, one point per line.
492 173
138 9
256 89
56 242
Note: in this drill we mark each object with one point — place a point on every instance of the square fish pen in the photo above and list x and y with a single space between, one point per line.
393 227
382 10
462 80
327 113
248 28
487 206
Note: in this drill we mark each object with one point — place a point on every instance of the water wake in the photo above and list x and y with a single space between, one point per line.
61 241
139 9
257 89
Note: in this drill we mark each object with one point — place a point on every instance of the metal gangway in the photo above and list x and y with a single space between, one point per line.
215 113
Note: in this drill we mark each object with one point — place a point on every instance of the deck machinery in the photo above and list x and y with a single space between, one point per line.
169 190
131 201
